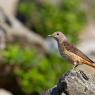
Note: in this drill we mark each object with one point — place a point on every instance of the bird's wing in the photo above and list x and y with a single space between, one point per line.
76 51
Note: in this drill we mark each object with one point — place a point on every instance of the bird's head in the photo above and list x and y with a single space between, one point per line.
59 36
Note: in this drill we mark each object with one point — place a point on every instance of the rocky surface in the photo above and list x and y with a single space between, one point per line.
79 81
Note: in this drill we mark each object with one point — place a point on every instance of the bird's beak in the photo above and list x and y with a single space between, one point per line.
49 35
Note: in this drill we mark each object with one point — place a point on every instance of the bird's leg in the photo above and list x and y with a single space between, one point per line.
74 68
75 65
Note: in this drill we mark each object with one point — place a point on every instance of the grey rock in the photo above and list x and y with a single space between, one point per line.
79 81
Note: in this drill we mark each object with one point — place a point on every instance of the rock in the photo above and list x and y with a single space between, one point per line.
78 81
16 32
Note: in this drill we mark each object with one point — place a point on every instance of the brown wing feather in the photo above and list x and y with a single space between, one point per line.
73 49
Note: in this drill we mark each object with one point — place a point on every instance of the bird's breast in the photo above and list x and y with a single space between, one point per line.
75 58
61 50
63 53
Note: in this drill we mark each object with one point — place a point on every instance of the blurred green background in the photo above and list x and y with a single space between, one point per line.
45 18
37 73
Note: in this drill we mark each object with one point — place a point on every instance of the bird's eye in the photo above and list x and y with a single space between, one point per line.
57 33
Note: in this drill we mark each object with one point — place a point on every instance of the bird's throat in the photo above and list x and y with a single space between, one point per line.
61 48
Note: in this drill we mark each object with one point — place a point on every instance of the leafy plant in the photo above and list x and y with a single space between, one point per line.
46 18
35 73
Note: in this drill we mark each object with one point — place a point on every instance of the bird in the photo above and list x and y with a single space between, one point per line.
70 52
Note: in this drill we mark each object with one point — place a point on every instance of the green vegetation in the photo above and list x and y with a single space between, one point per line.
35 73
38 73
46 18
